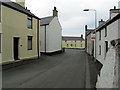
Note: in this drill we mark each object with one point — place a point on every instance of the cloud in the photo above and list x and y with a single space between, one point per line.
71 14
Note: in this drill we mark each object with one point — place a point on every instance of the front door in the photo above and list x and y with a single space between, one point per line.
15 47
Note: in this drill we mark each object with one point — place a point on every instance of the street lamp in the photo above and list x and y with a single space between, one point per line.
95 26
95 15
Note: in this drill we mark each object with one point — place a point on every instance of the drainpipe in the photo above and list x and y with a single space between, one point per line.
38 39
45 38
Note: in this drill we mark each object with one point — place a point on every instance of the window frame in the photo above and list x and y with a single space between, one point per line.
100 49
0 11
29 18
30 38
106 31
100 35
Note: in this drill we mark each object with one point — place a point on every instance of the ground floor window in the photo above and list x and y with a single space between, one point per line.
67 45
106 46
29 42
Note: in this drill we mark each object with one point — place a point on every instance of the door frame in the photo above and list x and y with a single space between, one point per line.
14 48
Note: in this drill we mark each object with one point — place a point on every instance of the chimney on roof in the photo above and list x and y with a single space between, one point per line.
21 2
114 12
81 35
55 12
101 22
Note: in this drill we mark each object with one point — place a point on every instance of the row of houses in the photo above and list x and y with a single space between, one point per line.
73 42
24 35
106 32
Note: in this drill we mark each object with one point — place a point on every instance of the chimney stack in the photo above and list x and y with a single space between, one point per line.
55 12
114 12
21 2
101 22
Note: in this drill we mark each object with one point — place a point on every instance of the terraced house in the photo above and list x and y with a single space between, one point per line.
19 32
73 42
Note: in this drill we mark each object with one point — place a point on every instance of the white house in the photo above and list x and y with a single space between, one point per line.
107 32
51 34
89 41
0 36
105 53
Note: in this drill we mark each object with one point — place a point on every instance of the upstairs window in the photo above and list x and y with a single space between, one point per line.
0 11
29 42
105 31
29 23
99 50
99 35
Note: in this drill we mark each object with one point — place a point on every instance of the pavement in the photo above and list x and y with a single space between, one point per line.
72 69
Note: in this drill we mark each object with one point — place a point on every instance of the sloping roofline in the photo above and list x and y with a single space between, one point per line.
19 8
108 22
71 38
46 20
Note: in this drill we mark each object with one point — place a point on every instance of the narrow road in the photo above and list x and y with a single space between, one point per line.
66 70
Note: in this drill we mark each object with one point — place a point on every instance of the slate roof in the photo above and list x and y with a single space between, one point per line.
109 21
18 7
89 31
72 38
46 20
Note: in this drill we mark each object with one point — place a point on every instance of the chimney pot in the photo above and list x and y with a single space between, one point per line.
101 22
21 2
55 12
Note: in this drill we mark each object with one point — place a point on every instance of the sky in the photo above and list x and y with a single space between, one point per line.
70 13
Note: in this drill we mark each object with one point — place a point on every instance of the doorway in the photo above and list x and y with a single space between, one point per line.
16 48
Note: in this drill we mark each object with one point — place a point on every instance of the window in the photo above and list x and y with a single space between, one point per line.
71 45
99 50
29 42
81 45
67 45
106 46
99 35
0 43
29 22
105 31
0 11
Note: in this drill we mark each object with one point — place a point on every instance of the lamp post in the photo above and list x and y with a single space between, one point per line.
95 26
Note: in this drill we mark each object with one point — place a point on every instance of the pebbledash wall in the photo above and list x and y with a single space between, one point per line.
110 72
0 36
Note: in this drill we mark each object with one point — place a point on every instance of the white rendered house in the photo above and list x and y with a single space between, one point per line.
0 36
51 34
107 32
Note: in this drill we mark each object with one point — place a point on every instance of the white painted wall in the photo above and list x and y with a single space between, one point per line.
119 28
89 44
112 33
119 4
1 42
53 36
106 78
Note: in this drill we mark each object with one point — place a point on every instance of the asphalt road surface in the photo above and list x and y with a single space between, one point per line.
65 70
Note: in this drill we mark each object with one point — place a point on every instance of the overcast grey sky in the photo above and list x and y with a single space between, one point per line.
71 15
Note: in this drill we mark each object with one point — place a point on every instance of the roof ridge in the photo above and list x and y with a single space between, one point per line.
47 17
